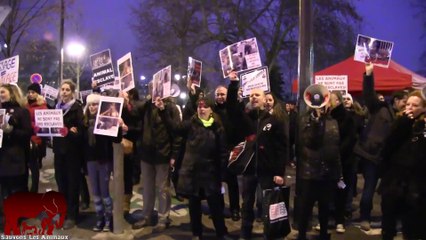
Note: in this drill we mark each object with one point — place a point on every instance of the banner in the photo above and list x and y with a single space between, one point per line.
49 122
9 69
240 56
373 50
109 113
125 70
162 83
334 82
195 68
103 70
255 79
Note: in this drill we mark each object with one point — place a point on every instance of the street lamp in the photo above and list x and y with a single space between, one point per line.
76 50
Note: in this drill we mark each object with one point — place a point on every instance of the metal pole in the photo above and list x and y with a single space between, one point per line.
305 72
78 76
118 183
61 43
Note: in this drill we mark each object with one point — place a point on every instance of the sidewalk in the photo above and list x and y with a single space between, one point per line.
180 228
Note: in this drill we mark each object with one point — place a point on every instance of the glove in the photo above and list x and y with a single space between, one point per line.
63 131
7 128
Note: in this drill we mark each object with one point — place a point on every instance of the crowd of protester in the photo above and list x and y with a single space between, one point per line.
330 146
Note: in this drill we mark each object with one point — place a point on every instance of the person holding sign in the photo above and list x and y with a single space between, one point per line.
67 159
200 174
270 155
38 145
99 157
16 141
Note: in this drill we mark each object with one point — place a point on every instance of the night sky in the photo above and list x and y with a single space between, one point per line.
388 20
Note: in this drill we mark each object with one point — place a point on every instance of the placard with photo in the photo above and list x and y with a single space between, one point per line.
109 114
195 68
373 50
125 70
240 56
103 70
162 83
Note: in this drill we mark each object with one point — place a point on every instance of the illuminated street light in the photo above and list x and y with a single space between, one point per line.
76 50
183 96
142 78
177 77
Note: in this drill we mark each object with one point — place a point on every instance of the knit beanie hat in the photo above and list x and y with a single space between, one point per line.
34 87
93 98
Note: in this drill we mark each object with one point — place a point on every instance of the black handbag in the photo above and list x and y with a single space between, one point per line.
275 212
240 157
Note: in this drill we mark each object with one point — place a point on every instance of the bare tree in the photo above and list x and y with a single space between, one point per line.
22 16
170 31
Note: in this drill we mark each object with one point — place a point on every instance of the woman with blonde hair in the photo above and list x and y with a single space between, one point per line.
16 141
403 172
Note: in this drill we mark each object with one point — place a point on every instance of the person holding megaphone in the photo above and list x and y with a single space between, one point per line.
319 168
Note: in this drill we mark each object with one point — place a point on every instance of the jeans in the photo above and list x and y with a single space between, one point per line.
370 174
156 176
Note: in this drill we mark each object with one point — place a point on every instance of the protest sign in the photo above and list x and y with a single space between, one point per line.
9 69
84 94
373 50
50 92
103 70
333 82
162 83
255 79
240 56
194 71
109 114
2 116
49 122
125 69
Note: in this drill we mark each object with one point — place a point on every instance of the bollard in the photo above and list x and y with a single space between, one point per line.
118 185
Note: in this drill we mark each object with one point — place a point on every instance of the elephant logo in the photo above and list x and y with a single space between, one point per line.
48 210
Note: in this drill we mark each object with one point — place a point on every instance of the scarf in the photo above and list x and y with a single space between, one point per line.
65 106
90 129
207 123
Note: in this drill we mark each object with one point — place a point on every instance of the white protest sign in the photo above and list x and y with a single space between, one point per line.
240 56
255 79
108 116
9 69
195 68
333 82
373 50
49 122
125 72
50 92
162 83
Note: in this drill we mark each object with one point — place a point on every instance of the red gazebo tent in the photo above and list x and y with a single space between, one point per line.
389 79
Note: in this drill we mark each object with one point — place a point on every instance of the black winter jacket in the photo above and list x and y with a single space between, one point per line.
271 148
16 144
404 161
72 143
318 148
372 139
347 133
158 145
205 153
